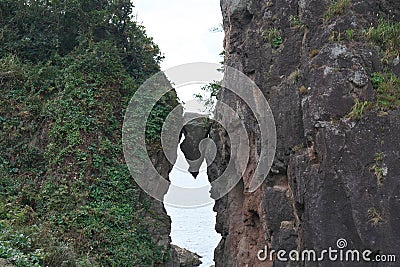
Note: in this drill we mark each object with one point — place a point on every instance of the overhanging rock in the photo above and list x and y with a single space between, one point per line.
195 130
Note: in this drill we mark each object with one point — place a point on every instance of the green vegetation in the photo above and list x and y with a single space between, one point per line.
387 86
296 22
359 108
377 168
295 76
67 72
386 35
15 247
336 8
276 42
336 36
266 75
375 216
350 33
274 37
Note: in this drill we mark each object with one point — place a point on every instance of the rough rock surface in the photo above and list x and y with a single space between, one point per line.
160 220
322 186
195 130
187 258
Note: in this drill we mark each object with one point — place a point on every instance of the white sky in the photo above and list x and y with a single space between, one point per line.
181 28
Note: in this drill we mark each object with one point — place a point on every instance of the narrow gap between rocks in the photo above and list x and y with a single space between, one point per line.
191 210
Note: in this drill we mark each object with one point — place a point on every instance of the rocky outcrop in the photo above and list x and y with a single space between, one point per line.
196 128
158 219
186 258
333 176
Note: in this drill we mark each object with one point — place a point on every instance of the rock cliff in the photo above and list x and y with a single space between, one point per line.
329 70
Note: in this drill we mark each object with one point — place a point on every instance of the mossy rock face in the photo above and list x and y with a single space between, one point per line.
66 196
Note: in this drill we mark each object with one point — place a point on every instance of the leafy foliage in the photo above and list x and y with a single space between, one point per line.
67 72
274 37
36 30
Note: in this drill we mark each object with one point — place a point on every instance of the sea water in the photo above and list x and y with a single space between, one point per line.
191 212
193 229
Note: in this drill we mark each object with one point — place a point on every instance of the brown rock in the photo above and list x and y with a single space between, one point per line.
187 258
326 188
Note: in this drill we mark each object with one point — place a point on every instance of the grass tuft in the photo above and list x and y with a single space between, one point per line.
386 35
387 87
336 8
359 109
